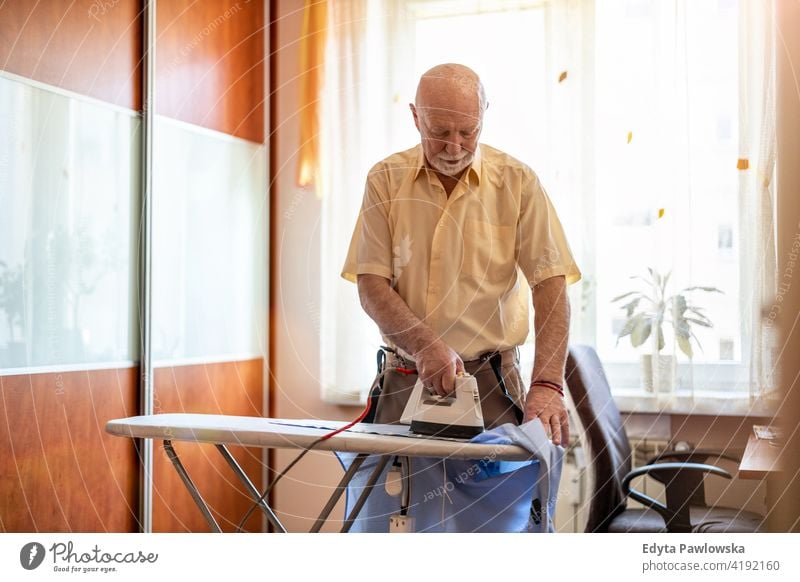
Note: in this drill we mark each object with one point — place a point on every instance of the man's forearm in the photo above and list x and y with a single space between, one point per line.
437 363
551 324
394 318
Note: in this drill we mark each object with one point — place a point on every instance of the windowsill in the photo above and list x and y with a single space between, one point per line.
634 400
345 399
708 403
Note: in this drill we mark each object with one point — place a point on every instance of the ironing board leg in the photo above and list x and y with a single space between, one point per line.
251 489
362 499
337 493
187 481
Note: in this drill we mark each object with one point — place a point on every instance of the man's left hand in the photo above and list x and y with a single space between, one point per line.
548 406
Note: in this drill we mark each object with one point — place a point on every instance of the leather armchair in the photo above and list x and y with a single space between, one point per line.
682 473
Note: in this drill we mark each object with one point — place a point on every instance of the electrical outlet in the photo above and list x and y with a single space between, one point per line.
401 524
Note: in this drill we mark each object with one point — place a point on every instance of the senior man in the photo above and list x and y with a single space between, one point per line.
450 234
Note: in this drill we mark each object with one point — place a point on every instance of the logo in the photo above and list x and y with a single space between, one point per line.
31 555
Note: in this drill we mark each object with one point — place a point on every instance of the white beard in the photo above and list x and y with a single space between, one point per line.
451 168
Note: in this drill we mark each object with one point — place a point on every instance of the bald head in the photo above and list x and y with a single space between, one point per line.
451 86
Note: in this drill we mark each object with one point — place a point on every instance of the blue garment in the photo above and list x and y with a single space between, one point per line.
482 495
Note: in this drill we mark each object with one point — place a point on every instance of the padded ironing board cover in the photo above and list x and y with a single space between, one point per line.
484 495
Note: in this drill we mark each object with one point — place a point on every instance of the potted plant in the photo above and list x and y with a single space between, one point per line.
647 310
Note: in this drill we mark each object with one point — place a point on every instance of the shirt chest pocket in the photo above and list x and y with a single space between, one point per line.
488 251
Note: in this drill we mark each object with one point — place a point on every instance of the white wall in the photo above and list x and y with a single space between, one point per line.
296 300
788 183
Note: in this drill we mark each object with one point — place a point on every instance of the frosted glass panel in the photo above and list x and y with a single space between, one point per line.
209 244
69 198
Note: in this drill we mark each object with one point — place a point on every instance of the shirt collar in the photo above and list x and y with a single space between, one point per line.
474 168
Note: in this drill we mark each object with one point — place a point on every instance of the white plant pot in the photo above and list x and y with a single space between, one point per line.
661 380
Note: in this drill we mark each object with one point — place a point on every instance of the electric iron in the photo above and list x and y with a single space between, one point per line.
457 415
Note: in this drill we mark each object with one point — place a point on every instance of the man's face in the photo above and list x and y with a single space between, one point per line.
449 137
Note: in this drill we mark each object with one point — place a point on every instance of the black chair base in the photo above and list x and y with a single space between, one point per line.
704 520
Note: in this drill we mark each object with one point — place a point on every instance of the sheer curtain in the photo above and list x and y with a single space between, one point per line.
569 170
756 190
360 106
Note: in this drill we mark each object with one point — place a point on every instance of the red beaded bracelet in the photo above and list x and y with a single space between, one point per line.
548 384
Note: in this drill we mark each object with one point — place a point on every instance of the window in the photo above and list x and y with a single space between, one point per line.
632 114
666 97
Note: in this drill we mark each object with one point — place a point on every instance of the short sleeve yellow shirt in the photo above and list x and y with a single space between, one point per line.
461 263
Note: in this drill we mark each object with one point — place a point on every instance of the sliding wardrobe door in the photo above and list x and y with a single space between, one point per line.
70 183
209 245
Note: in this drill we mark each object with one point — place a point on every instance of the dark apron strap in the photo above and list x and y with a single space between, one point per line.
496 361
377 387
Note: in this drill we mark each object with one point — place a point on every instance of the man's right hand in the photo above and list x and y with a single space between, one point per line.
437 366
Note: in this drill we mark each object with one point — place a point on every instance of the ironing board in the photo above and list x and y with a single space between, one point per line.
384 440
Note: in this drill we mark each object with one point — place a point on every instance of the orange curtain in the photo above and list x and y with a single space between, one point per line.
312 61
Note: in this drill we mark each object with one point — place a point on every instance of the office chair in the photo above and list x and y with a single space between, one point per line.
681 473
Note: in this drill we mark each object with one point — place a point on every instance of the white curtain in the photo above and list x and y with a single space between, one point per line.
568 172
756 191
360 109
